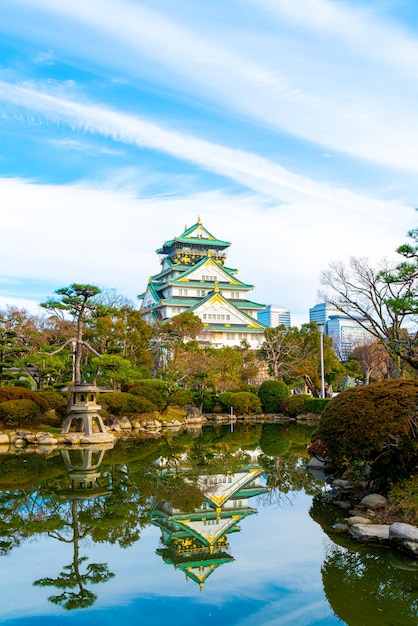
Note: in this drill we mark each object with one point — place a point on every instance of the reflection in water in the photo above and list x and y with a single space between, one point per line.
196 542
198 491
381 584
82 467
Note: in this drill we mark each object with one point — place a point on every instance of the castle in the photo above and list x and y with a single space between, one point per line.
194 277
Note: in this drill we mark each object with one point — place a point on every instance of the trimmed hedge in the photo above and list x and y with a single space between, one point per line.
123 402
317 405
374 428
246 403
272 393
20 393
295 405
21 412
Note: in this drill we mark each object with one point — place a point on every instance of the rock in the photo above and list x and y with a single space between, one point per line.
30 438
357 519
125 423
373 501
4 439
72 440
19 442
340 528
404 536
370 533
152 424
97 438
342 484
47 440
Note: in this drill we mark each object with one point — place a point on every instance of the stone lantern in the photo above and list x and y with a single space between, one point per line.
84 406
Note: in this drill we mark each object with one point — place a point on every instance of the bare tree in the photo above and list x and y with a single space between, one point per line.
371 297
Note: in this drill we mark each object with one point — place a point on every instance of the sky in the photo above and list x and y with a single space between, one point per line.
290 127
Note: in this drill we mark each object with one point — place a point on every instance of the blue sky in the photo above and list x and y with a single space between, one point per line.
289 127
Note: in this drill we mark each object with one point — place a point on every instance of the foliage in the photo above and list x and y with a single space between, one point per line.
78 301
382 300
205 399
120 403
225 399
15 413
316 405
374 425
55 400
403 499
246 403
20 393
272 393
295 405
151 393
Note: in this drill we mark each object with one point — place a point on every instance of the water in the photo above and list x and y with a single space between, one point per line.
207 527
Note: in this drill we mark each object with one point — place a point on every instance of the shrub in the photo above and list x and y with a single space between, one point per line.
21 412
272 393
316 405
295 405
153 394
225 399
55 400
373 427
20 393
205 399
246 403
123 402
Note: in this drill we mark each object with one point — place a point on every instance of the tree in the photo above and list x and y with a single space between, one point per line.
381 300
374 361
78 301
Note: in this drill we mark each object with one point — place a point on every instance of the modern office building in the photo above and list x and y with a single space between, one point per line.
321 313
193 277
347 334
274 315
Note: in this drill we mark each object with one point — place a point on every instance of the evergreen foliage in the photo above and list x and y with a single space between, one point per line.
17 413
272 393
374 429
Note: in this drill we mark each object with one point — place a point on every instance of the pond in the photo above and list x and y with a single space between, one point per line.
211 526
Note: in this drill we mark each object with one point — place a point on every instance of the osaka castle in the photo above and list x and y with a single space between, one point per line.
195 278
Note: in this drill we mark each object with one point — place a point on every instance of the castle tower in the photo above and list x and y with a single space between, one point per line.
194 277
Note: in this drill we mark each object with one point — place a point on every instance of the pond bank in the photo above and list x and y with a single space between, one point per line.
365 514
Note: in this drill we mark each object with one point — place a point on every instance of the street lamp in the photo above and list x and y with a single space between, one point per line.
321 353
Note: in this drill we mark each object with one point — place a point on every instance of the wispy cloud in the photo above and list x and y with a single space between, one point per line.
311 87
248 169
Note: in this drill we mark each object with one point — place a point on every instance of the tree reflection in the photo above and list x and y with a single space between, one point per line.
383 583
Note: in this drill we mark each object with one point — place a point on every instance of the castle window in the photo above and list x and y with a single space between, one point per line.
182 292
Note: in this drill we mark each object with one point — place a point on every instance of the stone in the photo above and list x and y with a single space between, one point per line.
4 439
47 440
340 528
373 501
125 423
370 533
404 536
19 442
97 438
357 519
342 484
153 424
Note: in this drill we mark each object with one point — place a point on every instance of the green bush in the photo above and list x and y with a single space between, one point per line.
55 400
225 399
153 394
295 405
21 412
316 405
123 402
272 393
20 393
206 399
374 427
246 403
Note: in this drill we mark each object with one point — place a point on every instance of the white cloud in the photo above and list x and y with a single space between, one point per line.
105 236
340 87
